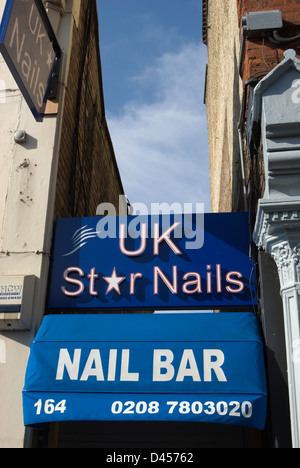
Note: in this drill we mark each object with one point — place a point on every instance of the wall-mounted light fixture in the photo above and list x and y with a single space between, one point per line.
20 136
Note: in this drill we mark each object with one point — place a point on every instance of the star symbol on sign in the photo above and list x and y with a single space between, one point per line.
114 281
49 60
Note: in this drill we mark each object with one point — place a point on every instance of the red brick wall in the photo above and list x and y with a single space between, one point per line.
261 55
87 172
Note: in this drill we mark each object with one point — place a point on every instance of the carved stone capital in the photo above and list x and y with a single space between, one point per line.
274 219
287 257
277 231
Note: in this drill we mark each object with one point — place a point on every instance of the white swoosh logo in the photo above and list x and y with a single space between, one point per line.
80 238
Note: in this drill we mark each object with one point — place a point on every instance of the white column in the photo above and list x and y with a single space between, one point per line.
277 231
286 254
276 108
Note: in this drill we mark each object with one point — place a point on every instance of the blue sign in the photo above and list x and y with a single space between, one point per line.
30 49
147 367
171 264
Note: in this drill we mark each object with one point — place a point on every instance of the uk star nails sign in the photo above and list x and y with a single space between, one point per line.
152 270
30 49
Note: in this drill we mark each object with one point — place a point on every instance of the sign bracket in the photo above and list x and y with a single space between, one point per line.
31 50
53 84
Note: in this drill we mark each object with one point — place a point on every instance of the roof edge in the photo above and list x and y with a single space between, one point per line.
290 61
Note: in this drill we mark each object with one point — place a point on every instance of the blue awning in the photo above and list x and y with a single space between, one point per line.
147 367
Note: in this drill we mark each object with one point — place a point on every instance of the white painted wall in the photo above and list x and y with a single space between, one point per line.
27 190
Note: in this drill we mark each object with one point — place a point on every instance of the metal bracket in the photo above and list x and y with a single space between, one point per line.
53 85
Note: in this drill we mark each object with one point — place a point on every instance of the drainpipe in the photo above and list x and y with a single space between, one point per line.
240 136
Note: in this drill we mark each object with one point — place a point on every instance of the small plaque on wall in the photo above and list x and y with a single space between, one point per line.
16 299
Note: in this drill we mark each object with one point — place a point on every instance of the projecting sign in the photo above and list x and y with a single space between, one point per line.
29 46
147 367
163 268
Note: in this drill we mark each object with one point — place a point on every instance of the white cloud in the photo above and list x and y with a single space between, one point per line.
161 145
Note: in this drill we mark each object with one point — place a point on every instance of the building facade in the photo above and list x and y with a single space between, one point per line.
65 166
144 428
253 128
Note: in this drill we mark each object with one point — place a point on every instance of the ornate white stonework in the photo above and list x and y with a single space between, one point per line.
287 259
277 228
278 233
273 218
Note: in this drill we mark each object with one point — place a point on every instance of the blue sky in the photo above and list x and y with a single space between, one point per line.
153 67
